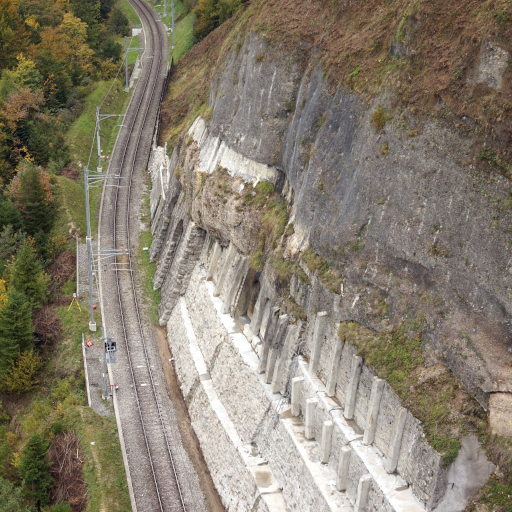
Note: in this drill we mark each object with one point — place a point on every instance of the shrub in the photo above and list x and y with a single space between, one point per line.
119 23
11 498
47 326
60 507
379 118
22 376
209 14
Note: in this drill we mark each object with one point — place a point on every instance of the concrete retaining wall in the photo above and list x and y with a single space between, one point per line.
344 443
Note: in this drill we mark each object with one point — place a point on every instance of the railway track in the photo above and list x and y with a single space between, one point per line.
161 474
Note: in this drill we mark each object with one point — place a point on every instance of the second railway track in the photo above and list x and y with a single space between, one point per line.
162 476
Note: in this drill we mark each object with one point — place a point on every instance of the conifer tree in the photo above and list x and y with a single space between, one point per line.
34 469
16 331
27 276
32 193
11 499
9 215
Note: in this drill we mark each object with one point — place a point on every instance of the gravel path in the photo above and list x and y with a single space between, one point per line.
94 354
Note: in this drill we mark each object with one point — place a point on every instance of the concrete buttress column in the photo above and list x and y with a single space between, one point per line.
343 468
282 323
271 362
325 447
395 442
217 250
232 251
296 395
363 488
318 339
373 410
311 404
236 282
355 373
283 364
334 367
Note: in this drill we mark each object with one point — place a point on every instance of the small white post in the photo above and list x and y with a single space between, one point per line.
395 443
325 448
363 489
353 383
373 411
335 364
98 137
343 467
296 393
318 339
311 404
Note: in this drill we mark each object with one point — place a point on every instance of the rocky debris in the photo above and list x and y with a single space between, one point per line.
493 64
500 413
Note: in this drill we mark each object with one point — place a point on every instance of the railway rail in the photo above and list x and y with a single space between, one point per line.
161 474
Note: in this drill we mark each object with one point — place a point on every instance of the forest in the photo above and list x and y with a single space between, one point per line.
52 52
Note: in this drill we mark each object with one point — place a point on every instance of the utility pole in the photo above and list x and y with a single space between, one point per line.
165 8
92 323
126 50
98 135
105 369
126 64
172 13
99 118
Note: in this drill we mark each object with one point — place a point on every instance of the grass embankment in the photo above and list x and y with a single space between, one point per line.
184 34
129 12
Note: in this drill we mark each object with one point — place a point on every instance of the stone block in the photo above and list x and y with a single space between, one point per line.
493 64
231 254
217 251
280 380
500 414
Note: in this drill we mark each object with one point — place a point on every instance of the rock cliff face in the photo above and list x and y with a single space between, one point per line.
408 207
396 207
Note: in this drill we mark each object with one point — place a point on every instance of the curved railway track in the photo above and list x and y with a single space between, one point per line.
160 471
